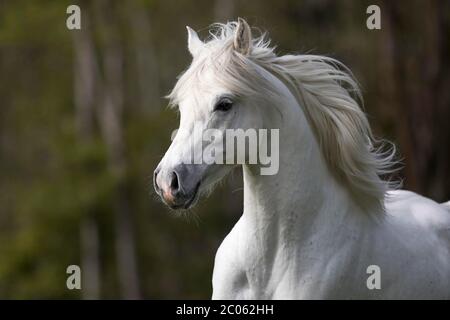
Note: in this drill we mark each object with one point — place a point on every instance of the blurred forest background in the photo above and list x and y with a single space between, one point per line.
83 123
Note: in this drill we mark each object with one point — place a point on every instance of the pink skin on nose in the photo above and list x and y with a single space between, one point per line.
168 196
166 193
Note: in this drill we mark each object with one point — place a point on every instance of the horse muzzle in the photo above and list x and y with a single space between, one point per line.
174 187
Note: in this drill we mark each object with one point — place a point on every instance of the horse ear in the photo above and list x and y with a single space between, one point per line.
194 43
243 37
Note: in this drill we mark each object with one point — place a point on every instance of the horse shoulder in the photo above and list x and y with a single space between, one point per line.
229 277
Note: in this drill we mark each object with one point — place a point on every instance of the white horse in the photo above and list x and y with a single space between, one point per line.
325 226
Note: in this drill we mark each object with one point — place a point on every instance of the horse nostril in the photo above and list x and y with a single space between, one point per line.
174 184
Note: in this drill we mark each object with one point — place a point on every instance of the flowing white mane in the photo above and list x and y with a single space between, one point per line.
323 87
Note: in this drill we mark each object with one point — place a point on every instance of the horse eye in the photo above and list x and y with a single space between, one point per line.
223 105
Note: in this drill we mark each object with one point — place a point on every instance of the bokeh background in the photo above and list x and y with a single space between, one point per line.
83 123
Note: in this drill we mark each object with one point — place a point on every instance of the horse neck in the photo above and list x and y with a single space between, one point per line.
286 207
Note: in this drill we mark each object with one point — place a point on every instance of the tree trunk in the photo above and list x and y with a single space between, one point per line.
109 113
84 86
145 65
419 49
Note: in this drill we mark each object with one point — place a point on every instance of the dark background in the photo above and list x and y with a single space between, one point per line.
83 124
